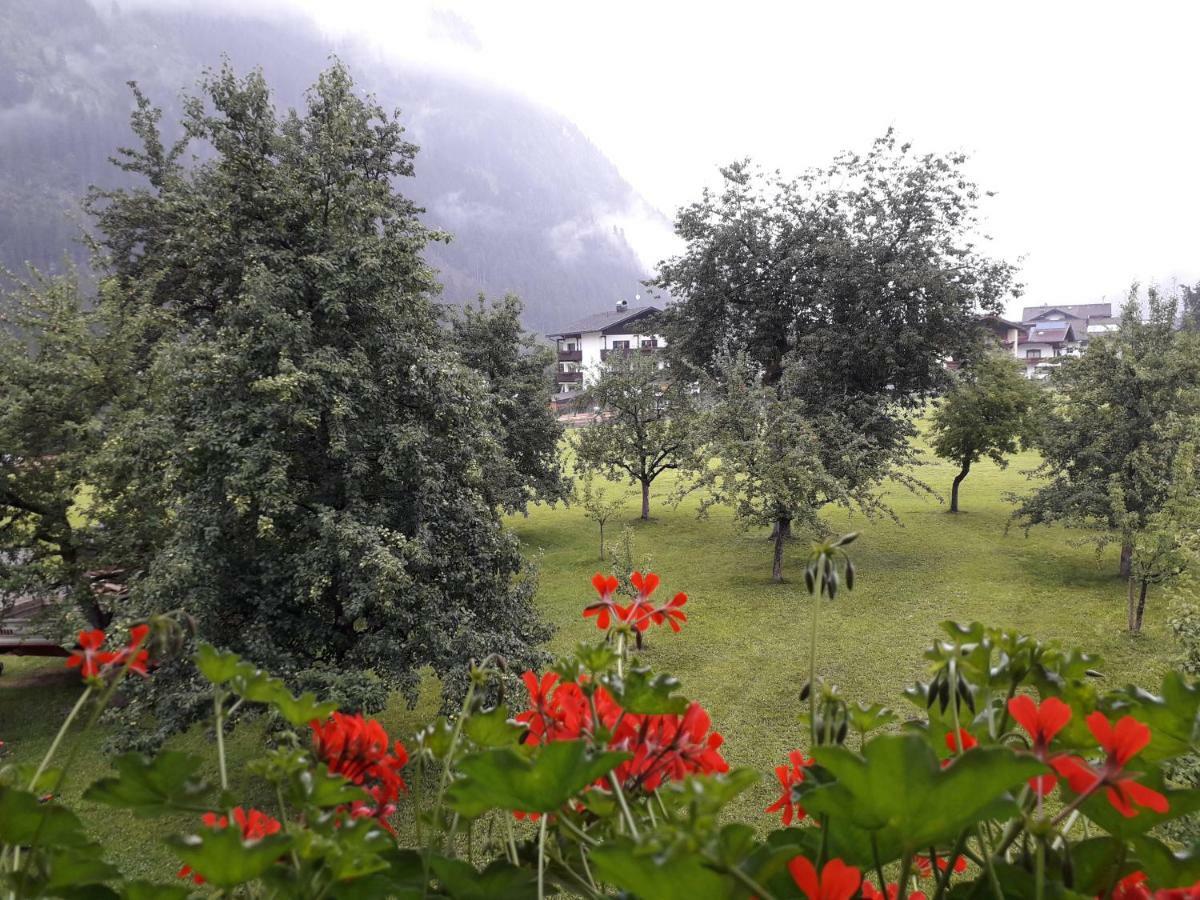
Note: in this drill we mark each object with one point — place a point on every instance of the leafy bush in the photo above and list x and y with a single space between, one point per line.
1016 778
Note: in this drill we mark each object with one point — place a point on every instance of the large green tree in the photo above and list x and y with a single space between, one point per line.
1108 455
60 368
991 410
304 461
846 288
645 422
491 340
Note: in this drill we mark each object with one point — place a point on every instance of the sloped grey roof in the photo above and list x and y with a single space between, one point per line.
1077 310
605 321
1050 333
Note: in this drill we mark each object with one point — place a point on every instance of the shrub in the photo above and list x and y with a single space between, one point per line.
1016 778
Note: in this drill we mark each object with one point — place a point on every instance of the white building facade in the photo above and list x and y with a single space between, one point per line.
584 345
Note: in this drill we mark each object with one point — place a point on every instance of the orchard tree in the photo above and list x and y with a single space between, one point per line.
766 459
1108 461
304 464
492 342
990 411
846 288
598 504
1168 545
644 425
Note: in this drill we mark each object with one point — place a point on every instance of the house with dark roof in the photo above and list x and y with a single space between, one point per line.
586 343
1055 332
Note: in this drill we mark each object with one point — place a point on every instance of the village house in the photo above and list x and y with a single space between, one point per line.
585 344
1056 332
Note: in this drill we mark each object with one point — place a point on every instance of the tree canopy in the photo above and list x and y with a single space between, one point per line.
301 458
645 424
991 410
1110 441
843 291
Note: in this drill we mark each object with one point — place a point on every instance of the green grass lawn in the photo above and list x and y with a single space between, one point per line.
743 652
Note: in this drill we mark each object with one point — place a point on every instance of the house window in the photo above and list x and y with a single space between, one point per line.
649 343
1033 354
571 345
620 345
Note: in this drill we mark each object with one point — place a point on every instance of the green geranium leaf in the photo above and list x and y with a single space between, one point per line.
146 890
506 779
75 867
1101 811
1095 863
152 786
21 817
1165 867
1174 717
643 693
499 881
644 873
301 710
898 790
493 728
224 859
321 789
218 666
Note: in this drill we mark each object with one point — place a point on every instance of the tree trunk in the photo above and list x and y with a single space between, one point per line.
1126 559
645 501
783 525
1130 606
602 541
1141 605
958 479
781 531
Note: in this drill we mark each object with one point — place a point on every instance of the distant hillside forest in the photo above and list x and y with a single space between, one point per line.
534 208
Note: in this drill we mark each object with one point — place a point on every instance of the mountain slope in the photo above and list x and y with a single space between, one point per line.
533 207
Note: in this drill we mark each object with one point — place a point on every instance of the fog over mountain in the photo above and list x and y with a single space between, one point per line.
533 206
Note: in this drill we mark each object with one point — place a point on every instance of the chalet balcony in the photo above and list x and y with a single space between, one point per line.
570 356
569 377
626 351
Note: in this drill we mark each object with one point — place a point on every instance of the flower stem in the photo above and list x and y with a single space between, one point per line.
812 674
62 731
542 857
218 712
624 806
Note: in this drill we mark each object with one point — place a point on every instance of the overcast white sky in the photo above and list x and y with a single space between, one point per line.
1085 118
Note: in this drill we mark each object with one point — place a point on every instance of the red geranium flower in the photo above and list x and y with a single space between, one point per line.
604 607
133 652
789 777
357 749
671 613
837 880
255 826
965 740
1120 744
645 584
1132 887
90 659
925 867
1042 722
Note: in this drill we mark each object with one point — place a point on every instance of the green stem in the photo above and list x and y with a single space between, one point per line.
878 865
1040 870
943 878
902 882
44 764
812 675
624 806
541 881
218 711
620 654
986 853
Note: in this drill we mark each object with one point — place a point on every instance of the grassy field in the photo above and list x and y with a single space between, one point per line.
743 651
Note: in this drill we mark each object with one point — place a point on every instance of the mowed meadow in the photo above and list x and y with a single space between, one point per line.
744 650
